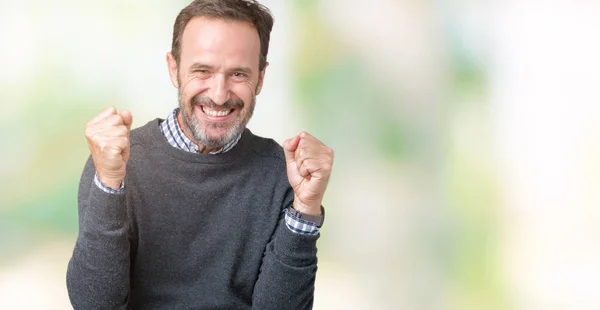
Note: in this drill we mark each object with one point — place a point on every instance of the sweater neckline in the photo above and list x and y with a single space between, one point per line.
237 152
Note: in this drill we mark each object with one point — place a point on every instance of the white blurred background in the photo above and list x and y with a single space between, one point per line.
467 138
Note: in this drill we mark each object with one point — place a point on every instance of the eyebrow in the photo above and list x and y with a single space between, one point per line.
199 65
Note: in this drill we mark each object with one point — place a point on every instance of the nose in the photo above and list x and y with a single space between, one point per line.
219 89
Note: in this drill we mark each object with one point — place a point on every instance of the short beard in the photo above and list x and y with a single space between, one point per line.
200 133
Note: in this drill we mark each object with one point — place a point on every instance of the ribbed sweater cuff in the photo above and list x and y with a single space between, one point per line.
106 210
295 249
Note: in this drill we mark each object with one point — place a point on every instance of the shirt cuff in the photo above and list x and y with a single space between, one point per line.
107 189
300 226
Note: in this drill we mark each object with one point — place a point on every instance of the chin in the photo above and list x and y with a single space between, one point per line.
219 139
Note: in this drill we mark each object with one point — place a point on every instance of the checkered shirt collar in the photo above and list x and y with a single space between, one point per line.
176 138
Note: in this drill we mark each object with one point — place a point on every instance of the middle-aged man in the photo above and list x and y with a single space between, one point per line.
195 211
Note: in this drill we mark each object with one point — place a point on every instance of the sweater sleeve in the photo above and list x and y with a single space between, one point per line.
98 272
288 271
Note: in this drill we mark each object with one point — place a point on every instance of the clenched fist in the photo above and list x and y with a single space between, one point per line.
309 164
108 138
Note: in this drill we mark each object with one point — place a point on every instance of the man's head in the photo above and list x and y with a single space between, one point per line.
217 62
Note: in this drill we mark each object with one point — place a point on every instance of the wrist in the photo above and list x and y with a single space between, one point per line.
312 209
111 183
299 219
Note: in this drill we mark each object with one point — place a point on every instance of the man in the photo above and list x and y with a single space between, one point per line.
194 211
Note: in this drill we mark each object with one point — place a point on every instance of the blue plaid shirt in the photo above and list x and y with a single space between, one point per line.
176 138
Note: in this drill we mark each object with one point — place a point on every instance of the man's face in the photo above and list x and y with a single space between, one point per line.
217 79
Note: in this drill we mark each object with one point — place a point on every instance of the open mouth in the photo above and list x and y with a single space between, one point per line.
216 113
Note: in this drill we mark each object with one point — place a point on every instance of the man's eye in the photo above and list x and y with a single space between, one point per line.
201 73
239 76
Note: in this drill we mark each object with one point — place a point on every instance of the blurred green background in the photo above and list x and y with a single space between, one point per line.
466 138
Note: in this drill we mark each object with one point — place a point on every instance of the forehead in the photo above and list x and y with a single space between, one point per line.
220 42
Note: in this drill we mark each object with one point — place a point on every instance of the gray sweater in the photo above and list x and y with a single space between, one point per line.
191 231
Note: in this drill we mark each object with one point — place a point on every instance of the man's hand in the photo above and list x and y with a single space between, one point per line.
309 163
108 138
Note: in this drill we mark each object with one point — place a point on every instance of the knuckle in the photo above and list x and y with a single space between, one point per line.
102 144
121 130
114 120
124 141
302 153
111 119
113 151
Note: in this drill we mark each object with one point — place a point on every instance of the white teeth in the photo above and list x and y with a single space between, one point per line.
215 113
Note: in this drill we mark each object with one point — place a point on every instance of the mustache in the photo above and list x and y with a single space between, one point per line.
203 100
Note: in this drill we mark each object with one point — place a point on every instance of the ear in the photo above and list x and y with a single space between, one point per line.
261 78
172 66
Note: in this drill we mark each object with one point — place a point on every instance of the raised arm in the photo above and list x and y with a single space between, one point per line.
288 272
98 272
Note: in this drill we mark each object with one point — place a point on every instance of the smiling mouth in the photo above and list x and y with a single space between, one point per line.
216 113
